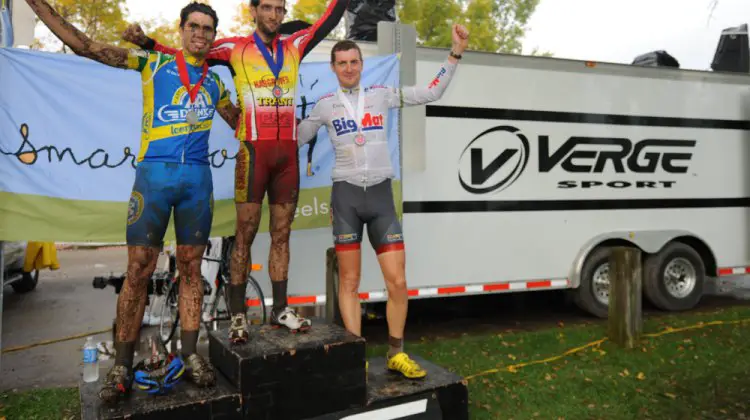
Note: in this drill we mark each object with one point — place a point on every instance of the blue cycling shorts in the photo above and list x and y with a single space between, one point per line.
161 187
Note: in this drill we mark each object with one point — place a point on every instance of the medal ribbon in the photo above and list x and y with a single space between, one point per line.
275 66
185 78
350 109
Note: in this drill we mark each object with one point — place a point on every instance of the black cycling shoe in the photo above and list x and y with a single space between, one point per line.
117 384
200 371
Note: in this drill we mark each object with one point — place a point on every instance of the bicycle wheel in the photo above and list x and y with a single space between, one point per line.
217 310
255 302
170 314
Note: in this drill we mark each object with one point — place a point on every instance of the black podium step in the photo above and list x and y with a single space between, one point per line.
185 401
441 395
288 376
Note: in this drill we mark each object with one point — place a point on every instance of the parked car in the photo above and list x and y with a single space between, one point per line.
20 281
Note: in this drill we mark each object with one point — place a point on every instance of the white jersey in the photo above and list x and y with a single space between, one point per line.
369 163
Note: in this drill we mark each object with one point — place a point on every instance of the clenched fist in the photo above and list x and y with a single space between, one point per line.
135 35
460 38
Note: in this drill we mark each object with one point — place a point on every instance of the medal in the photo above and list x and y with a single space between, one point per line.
273 64
192 116
359 139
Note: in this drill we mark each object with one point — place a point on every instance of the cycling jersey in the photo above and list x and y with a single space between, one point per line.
268 102
369 162
166 135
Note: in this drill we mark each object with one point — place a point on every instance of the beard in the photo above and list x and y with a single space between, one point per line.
263 28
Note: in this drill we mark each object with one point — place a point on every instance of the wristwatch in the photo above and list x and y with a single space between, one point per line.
454 55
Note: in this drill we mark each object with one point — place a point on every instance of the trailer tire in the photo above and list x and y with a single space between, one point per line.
27 283
585 296
681 259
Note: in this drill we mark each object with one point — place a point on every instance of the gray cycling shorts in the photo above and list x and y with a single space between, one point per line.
353 207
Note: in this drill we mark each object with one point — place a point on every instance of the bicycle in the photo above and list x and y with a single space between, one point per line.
211 314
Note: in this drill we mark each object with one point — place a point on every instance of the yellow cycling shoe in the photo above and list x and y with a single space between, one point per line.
402 364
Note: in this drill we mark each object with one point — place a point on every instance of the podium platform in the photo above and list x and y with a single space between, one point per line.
186 401
441 395
276 375
293 376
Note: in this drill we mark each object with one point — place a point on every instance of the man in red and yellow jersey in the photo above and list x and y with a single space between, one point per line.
265 70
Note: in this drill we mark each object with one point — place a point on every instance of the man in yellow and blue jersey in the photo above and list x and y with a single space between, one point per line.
180 97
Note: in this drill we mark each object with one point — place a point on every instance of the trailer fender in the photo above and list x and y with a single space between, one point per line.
648 241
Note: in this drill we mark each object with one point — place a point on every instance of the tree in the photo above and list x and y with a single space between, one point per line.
102 20
167 33
495 25
243 21
431 18
311 10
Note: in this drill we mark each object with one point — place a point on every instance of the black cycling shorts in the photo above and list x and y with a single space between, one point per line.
354 206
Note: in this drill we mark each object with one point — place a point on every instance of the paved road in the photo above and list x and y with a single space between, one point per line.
65 304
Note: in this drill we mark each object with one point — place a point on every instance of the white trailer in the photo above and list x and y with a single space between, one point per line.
529 169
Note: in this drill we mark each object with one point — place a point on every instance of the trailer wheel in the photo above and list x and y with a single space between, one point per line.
592 294
27 283
673 277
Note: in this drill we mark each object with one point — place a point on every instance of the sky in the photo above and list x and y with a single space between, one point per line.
619 30
600 30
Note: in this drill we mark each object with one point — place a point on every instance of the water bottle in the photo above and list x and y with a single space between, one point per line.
90 361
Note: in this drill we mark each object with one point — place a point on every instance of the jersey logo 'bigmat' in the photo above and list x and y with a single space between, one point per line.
370 122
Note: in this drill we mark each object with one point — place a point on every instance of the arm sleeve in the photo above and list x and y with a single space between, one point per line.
308 38
418 95
224 99
153 44
308 128
138 59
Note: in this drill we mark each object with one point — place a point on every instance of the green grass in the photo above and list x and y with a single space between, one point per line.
693 374
702 373
54 403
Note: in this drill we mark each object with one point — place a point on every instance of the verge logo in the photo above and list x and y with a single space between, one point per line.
493 160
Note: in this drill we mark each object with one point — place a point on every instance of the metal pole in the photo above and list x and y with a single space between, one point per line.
2 287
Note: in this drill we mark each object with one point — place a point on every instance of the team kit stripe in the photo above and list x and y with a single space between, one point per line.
381 295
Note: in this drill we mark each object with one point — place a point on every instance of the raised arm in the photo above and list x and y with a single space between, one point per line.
310 37
77 40
418 95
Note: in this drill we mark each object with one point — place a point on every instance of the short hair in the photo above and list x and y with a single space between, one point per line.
344 45
198 7
256 3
